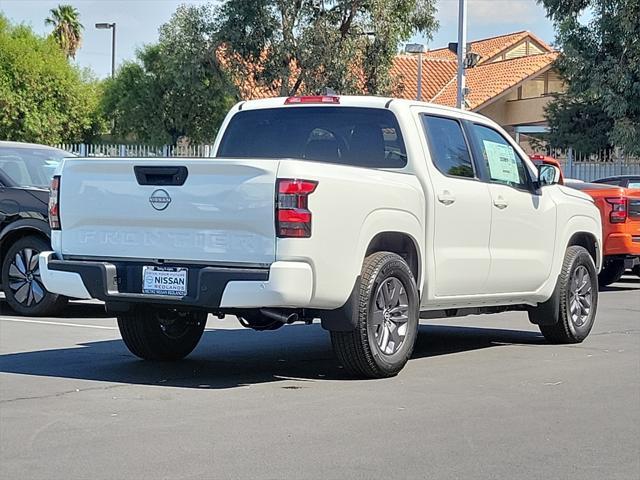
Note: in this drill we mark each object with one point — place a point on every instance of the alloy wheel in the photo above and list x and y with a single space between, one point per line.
24 278
580 296
389 316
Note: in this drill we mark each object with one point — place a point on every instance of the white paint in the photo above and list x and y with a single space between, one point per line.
64 283
234 201
289 284
224 212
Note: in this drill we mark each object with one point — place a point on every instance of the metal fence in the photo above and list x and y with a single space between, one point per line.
124 150
588 171
587 168
606 163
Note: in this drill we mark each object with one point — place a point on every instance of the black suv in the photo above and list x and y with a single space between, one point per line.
25 173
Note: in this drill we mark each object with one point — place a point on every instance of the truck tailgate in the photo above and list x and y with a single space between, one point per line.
128 208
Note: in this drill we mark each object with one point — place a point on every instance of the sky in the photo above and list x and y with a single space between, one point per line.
137 23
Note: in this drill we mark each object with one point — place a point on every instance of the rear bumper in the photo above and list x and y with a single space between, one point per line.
620 243
283 284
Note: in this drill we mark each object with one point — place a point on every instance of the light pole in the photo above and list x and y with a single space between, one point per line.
462 52
112 26
418 48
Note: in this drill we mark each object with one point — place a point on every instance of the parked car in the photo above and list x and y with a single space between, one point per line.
620 212
25 174
364 212
626 181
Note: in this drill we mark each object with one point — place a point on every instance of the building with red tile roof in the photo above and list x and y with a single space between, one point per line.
512 81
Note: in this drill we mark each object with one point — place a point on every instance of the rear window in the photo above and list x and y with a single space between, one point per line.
30 167
365 137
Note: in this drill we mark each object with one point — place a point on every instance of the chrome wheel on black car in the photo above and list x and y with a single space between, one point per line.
23 288
24 278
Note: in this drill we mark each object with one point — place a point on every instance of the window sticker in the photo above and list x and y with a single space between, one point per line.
502 162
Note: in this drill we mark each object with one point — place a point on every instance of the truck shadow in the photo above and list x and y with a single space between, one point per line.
235 358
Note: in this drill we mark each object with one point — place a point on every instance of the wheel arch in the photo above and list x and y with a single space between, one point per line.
396 231
400 243
589 242
20 229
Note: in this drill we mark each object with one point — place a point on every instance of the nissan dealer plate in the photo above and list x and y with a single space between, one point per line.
170 281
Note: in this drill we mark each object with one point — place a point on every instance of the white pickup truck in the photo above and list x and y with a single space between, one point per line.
367 213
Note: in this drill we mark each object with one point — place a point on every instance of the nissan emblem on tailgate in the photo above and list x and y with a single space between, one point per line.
160 199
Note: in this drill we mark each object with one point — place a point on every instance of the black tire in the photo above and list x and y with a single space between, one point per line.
636 270
611 272
21 282
161 334
569 328
361 351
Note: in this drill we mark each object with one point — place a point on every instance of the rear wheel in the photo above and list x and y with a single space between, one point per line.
387 325
21 281
636 270
162 334
577 300
611 272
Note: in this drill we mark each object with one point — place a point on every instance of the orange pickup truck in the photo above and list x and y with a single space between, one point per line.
620 211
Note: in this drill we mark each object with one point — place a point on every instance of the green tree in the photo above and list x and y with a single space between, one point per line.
601 63
578 124
67 29
43 98
176 88
303 46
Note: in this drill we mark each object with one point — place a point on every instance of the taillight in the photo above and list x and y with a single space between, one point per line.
293 218
54 204
313 99
618 212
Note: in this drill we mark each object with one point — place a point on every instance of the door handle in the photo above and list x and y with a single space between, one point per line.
500 203
446 198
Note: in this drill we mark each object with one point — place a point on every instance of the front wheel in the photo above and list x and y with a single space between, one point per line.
161 334
577 299
387 325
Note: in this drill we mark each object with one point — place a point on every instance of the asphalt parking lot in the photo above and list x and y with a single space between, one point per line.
483 398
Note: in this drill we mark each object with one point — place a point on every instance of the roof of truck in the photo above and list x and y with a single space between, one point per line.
348 101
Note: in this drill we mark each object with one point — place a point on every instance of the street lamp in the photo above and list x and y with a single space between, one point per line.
418 48
462 53
112 26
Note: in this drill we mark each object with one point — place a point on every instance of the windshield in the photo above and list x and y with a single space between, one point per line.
365 137
30 166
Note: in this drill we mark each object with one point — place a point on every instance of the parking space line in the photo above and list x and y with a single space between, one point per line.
62 324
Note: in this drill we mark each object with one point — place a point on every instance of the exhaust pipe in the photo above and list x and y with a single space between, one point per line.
279 316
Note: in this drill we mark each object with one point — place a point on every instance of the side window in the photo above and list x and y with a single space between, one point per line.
503 163
448 147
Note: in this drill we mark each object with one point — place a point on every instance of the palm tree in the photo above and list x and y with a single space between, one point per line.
67 29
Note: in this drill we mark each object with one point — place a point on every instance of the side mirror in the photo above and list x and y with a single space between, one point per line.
548 175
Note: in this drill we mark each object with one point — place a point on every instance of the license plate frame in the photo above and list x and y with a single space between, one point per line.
176 285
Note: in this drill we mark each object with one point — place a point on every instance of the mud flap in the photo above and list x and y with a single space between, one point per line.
547 313
345 318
